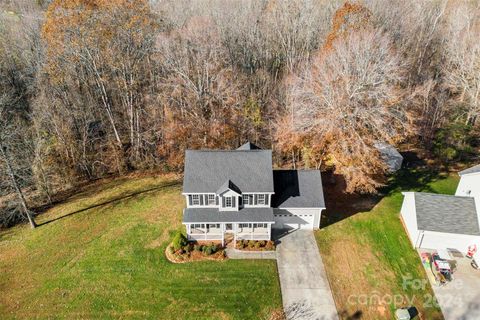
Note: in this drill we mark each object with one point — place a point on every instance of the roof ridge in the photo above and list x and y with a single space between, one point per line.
441 194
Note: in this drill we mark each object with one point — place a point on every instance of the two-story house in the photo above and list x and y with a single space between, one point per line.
236 193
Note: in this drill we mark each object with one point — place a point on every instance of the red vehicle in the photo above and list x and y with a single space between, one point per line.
442 266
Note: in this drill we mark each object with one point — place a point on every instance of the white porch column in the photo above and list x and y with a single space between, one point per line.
251 230
269 231
223 234
205 230
234 227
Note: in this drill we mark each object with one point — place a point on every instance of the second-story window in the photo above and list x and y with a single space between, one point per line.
261 199
245 199
195 199
211 199
228 202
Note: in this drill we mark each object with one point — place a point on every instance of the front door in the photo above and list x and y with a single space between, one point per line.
228 228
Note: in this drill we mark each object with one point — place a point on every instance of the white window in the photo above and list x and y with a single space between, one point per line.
245 199
211 199
259 225
243 225
261 199
228 202
195 199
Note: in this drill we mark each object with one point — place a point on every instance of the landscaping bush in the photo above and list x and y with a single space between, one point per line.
251 243
171 250
214 248
188 248
262 243
270 245
258 245
240 244
179 241
208 250
197 247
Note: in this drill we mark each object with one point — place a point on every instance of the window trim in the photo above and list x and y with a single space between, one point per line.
211 199
226 202
195 199
261 199
246 199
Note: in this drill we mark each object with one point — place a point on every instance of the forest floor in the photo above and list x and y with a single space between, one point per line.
100 254
368 257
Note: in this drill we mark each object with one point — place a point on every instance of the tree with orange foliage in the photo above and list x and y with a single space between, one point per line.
349 98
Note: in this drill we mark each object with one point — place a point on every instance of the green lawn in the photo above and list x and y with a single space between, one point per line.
108 262
367 255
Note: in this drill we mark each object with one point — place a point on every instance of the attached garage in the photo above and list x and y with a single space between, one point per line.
300 205
296 218
435 221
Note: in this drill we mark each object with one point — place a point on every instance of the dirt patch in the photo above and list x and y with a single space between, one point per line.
194 256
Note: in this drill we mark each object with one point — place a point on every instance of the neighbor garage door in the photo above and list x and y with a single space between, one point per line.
295 219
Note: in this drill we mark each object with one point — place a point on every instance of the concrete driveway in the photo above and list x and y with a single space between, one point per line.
460 299
306 293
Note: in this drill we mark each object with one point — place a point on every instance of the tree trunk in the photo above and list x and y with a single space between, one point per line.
18 190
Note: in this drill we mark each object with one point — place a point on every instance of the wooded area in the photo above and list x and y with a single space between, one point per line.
90 88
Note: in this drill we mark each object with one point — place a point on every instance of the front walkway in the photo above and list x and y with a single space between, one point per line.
305 289
239 254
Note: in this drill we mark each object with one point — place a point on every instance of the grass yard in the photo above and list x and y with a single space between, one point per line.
367 255
103 258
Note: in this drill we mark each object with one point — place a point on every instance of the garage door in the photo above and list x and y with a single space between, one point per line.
291 221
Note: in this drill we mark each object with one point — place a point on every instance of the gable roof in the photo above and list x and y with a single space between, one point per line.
228 185
298 189
248 146
446 213
207 170
474 169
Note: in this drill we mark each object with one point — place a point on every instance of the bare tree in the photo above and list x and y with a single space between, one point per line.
350 98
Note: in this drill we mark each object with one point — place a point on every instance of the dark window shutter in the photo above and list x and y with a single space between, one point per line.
255 199
266 200
233 201
189 199
201 199
216 200
240 201
223 202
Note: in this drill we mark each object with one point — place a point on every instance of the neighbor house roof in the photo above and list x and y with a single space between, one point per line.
473 169
446 213
298 189
207 170
213 215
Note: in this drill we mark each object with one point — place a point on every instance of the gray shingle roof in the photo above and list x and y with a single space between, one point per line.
213 215
206 171
298 189
446 213
473 169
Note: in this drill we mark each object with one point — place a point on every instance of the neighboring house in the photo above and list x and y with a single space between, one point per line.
236 193
435 221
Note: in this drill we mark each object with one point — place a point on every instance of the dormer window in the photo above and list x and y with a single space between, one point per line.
228 202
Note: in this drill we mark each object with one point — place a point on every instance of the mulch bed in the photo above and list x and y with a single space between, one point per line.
194 256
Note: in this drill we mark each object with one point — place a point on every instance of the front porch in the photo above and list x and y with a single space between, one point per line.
217 231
